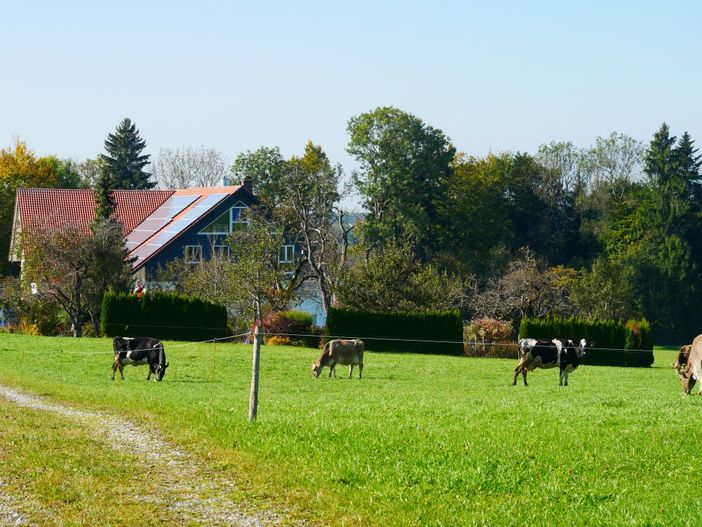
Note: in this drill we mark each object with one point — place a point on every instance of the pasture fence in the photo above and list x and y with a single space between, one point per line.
480 344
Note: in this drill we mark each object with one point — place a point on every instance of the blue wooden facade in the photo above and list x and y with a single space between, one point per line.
197 241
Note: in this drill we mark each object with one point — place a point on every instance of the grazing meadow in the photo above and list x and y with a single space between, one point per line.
420 440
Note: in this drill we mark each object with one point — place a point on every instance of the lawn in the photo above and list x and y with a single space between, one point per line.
421 440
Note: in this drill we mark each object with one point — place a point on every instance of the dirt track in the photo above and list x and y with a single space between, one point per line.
185 485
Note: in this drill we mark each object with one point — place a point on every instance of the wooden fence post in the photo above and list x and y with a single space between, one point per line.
253 396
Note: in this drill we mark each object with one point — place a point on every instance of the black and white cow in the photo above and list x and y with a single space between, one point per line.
549 354
137 351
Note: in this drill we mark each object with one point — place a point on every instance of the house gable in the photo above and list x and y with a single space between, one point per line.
187 228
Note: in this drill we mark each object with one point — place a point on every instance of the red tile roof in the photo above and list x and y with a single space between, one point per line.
44 207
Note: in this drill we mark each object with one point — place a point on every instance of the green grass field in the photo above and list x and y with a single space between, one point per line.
421 440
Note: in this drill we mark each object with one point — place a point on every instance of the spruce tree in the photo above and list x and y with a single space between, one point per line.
124 163
104 198
660 165
688 165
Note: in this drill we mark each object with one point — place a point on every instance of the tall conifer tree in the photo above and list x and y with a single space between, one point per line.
124 162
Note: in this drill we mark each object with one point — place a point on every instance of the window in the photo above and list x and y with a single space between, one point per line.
228 222
286 254
193 254
218 226
223 251
239 218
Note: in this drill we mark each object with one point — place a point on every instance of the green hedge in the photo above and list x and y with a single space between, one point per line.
162 316
630 343
445 326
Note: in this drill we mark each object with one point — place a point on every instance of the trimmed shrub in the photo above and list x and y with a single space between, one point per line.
279 341
615 343
162 316
400 332
295 325
496 333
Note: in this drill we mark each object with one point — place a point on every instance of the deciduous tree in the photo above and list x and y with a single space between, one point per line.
189 167
405 166
75 268
21 168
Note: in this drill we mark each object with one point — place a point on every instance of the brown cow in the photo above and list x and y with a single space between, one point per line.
693 369
338 351
681 360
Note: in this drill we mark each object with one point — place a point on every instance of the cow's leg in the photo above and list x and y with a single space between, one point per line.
114 369
560 377
360 370
350 370
689 383
148 377
516 374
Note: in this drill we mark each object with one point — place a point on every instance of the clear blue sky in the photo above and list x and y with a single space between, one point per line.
500 75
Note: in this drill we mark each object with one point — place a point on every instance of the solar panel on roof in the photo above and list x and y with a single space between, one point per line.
212 199
184 201
204 206
151 224
139 236
178 225
173 206
161 239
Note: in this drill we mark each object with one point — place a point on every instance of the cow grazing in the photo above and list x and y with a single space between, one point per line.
547 354
693 369
338 351
682 359
138 351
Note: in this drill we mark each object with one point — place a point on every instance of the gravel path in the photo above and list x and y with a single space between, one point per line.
186 486
9 510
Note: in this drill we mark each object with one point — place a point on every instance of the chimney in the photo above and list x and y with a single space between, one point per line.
247 183
226 181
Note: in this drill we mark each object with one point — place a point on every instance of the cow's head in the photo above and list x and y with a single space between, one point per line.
120 344
316 369
160 371
681 360
580 348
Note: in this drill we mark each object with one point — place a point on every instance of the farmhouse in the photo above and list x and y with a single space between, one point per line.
159 225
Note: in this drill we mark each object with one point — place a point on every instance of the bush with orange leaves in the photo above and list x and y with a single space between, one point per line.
489 337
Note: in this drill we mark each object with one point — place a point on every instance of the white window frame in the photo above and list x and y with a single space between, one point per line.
289 258
240 206
197 251
222 249
239 219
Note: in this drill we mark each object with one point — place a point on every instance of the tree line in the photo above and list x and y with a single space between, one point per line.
606 231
